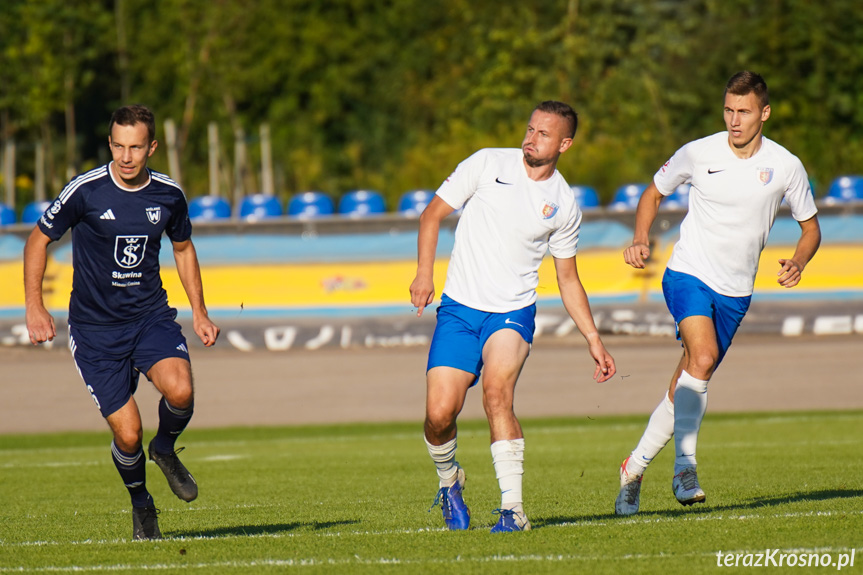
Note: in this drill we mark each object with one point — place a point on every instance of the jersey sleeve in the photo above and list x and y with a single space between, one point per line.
798 195
63 213
674 172
462 183
563 242
179 227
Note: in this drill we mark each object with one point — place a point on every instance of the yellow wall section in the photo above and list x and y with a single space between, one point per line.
603 273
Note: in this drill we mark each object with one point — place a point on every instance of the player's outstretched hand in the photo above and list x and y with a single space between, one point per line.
636 255
605 367
422 294
789 274
206 330
40 325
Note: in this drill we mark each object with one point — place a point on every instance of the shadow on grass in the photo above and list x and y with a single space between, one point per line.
253 530
706 509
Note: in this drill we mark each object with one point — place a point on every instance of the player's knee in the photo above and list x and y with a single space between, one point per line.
495 399
703 364
439 418
128 440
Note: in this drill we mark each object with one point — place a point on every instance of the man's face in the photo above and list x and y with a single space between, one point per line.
545 139
744 118
130 149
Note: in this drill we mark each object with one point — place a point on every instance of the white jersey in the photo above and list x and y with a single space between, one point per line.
732 205
505 229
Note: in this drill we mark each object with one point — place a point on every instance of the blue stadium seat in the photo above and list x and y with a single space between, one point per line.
626 197
844 190
308 205
586 197
412 203
7 215
676 200
260 206
33 211
362 203
209 208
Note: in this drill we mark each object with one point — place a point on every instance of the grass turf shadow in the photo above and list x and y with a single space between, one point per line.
252 530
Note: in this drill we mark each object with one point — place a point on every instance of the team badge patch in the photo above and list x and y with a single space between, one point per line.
765 175
154 215
549 209
129 250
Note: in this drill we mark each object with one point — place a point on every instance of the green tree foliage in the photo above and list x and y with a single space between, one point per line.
392 94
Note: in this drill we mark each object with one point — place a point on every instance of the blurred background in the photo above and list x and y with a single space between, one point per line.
308 135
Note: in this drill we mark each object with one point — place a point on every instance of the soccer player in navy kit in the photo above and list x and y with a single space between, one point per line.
120 324
517 206
739 178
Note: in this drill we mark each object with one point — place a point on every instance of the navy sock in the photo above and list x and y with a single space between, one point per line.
132 470
172 422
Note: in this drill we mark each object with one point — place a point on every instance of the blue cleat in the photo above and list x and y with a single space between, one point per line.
456 515
510 521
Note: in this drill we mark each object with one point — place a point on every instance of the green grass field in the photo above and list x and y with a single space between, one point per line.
354 499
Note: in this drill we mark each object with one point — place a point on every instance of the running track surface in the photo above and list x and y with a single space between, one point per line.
40 390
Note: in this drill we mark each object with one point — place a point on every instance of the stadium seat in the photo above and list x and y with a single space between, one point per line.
7 215
844 190
676 200
626 197
586 197
33 211
412 203
308 205
362 203
260 206
209 208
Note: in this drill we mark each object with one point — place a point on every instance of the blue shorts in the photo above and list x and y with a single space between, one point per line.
110 359
686 295
461 333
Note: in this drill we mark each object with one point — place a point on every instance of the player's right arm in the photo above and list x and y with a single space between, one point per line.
648 206
40 324
422 288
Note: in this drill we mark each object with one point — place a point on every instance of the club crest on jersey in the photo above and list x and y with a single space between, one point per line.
154 215
765 175
549 209
129 250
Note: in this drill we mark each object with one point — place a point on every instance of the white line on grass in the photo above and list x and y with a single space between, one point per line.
357 560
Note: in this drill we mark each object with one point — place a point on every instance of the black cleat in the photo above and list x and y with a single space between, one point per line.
145 524
179 479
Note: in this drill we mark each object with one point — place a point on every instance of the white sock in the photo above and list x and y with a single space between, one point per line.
690 404
659 430
508 458
444 459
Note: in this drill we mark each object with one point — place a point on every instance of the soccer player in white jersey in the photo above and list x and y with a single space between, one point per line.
739 178
516 206
120 323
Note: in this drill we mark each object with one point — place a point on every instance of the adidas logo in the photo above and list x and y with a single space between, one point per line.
108 215
182 346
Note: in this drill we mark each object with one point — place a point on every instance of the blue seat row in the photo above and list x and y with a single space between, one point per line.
363 203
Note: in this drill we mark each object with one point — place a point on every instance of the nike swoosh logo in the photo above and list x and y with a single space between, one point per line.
512 322
709 171
504 183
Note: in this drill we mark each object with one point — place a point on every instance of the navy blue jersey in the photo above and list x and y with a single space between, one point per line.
116 239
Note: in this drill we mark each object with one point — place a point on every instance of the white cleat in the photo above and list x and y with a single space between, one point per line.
630 492
686 488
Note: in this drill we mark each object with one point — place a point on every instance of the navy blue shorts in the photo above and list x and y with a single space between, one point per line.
686 295
461 333
110 359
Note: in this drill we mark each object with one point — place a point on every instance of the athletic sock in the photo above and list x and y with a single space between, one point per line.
444 460
133 473
172 422
690 404
508 458
659 430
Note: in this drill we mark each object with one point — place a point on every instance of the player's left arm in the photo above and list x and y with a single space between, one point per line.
578 307
189 271
810 238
